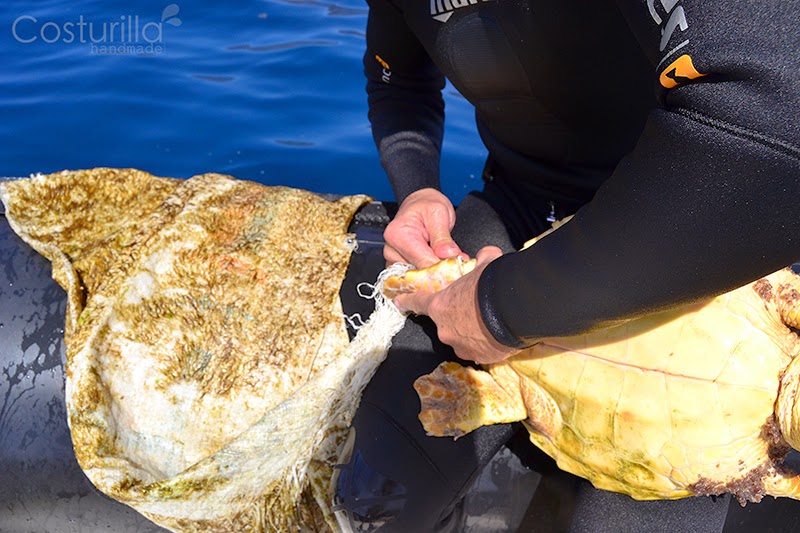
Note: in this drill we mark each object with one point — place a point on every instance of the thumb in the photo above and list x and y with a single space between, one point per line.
441 241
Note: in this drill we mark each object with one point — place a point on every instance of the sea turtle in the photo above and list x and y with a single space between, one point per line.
698 400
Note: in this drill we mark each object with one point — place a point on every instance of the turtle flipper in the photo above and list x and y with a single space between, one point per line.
456 400
432 279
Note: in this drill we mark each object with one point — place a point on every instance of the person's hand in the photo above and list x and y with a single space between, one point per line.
457 316
420 232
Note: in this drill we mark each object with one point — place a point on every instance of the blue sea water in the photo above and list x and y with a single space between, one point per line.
266 90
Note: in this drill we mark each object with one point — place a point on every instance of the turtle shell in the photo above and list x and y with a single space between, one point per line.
673 404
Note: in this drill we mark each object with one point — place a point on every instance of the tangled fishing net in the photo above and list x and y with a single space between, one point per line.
210 380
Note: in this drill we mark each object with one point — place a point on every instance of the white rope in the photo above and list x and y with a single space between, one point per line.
354 321
374 291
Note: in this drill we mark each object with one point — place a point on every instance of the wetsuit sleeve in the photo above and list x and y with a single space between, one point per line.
405 101
707 201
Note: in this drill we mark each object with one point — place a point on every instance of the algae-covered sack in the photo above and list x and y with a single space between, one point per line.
209 374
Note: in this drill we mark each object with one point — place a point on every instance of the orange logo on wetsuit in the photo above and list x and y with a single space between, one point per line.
382 62
679 71
386 74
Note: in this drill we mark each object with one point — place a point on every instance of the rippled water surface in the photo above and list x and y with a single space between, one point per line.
269 90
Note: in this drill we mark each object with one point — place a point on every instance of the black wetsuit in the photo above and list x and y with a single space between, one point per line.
695 179
687 186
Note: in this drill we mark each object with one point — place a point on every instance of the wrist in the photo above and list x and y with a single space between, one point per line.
408 185
424 193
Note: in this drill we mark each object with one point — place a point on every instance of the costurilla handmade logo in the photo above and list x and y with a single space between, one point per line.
442 10
125 34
